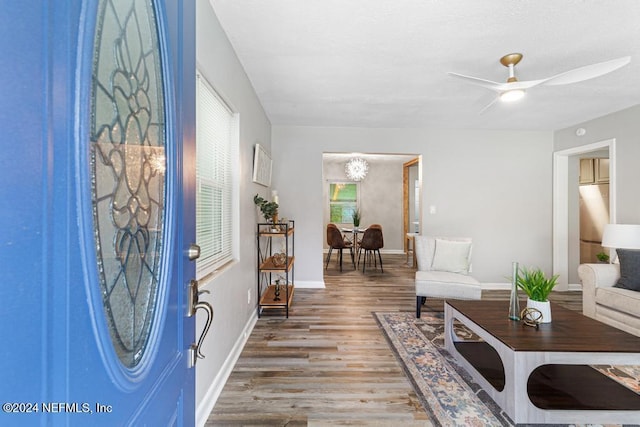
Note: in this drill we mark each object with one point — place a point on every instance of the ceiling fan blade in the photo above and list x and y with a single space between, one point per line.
524 85
489 105
498 87
587 72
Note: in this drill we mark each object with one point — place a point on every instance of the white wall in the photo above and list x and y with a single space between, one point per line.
233 316
493 186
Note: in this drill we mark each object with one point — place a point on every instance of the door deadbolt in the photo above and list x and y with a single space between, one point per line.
193 252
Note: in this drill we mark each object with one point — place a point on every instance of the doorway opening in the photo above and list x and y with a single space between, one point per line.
411 199
566 229
380 197
593 206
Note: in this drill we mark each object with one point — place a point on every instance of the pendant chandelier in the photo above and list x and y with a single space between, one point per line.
356 169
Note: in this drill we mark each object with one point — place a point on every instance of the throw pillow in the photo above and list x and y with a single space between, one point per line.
452 256
424 246
629 269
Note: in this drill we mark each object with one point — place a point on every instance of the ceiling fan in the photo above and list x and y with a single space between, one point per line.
514 89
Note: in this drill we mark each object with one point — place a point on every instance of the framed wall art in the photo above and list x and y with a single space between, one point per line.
261 166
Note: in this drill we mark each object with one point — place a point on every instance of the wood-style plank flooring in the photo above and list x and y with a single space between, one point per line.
329 364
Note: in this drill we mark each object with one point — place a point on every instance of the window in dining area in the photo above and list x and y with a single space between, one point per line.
343 201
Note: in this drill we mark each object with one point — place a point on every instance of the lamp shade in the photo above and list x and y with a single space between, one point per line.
621 236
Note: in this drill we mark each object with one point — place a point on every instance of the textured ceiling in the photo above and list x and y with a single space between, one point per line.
384 63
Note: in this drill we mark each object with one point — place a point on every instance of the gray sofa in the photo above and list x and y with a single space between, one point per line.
600 300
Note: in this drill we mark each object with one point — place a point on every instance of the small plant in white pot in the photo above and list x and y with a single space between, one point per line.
537 286
355 216
602 257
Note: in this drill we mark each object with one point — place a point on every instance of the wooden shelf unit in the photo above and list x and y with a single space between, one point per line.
268 299
269 266
269 271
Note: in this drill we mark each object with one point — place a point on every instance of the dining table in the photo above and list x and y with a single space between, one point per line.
354 231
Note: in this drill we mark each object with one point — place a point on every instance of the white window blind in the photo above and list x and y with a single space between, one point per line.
216 137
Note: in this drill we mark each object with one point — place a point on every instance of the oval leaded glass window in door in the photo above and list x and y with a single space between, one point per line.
128 170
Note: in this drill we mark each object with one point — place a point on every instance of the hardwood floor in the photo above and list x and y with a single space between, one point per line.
329 364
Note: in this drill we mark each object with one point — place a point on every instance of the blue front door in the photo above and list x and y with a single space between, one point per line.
97 212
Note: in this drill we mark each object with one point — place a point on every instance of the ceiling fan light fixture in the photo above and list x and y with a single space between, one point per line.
512 95
356 169
513 89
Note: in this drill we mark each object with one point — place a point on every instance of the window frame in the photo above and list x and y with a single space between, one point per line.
347 204
219 248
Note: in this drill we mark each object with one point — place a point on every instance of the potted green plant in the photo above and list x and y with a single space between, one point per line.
537 286
602 257
269 209
355 216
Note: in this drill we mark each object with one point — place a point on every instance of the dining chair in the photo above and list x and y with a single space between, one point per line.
372 241
336 240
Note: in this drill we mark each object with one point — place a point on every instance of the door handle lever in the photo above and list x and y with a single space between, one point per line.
209 310
194 305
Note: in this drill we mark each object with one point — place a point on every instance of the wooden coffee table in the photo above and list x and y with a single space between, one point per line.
543 375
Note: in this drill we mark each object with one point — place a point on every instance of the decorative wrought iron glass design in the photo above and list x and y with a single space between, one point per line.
128 166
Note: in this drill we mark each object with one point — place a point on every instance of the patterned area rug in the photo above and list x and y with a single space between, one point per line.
448 394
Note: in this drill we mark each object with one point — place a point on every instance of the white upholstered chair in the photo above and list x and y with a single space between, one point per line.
444 264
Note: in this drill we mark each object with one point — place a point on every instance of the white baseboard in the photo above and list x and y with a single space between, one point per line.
574 287
309 284
382 251
392 251
205 406
495 286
